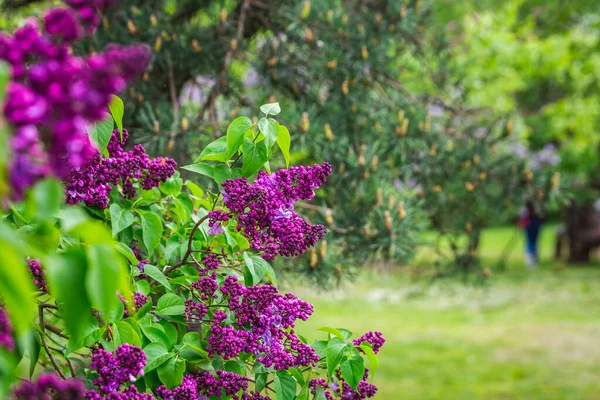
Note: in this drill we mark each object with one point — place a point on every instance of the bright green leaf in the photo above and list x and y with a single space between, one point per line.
235 134
285 386
171 372
268 127
101 132
117 109
271 109
119 218
255 156
170 304
156 354
152 230
353 370
283 141
334 353
155 274
104 278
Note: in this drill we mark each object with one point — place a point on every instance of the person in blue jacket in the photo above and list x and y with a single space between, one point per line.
531 222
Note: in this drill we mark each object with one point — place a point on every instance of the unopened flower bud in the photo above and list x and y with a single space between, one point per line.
332 64
436 188
388 220
313 257
272 62
344 87
131 26
157 43
345 19
329 216
234 44
342 168
374 162
403 10
469 186
304 122
449 145
482 176
401 210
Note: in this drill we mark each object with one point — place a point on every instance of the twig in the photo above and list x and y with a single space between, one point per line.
45 345
189 249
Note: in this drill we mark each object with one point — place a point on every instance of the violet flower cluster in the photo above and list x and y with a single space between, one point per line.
263 322
7 341
38 274
115 370
265 209
93 182
139 301
363 391
57 96
49 386
375 339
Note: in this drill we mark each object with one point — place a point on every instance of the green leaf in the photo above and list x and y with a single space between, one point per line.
285 386
260 381
171 372
320 346
117 109
235 134
44 200
16 285
353 369
152 230
271 109
334 353
214 151
124 333
126 252
347 334
191 349
257 267
170 304
331 330
172 186
66 275
372 357
104 278
156 354
268 127
119 218
101 132
34 353
201 168
155 334
255 156
158 276
320 395
283 141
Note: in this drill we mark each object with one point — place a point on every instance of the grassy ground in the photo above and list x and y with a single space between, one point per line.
528 334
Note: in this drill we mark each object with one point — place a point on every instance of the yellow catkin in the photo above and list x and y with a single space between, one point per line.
467 164
354 107
328 132
332 64
157 43
436 188
272 99
388 220
170 145
378 18
323 249
391 201
185 123
330 15
449 145
379 197
314 259
400 115
361 155
234 44
304 122
146 76
528 174
156 126
308 34
468 227
342 168
476 159
469 186
555 180
364 52
305 10
509 127
482 176
433 150
196 46
344 87
272 62
153 20
374 162
403 11
223 15
345 19
329 216
131 26
401 210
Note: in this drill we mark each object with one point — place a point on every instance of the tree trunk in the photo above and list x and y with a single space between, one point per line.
582 230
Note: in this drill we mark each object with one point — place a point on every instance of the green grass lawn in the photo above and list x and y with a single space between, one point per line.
527 334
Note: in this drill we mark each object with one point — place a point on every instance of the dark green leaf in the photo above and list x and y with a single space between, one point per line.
155 334
172 186
214 151
201 168
285 386
170 304
125 333
256 268
171 372
105 276
334 353
127 253
152 230
235 134
261 381
268 127
255 156
119 218
101 133
157 354
155 274
353 369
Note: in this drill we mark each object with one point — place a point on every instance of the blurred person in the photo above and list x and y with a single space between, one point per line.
531 222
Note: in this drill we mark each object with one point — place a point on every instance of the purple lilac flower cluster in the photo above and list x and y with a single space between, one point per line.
49 386
38 274
116 369
375 339
363 391
195 310
263 325
55 95
88 11
6 331
93 181
139 301
265 209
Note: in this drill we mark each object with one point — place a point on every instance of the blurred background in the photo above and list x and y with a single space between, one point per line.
464 136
